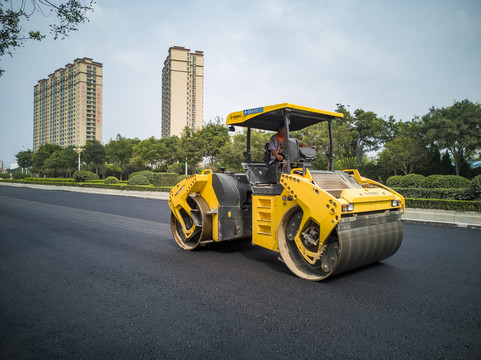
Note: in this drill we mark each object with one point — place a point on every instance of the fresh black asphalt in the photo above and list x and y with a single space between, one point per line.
99 277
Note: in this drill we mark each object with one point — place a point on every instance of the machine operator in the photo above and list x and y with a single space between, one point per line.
277 148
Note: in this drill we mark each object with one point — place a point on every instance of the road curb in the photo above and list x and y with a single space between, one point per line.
443 217
443 223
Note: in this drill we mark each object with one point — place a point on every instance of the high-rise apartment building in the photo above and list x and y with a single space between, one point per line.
68 105
182 90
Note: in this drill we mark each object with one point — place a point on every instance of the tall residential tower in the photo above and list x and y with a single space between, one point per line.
182 90
68 105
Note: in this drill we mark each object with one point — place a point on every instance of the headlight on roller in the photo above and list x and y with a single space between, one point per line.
348 207
395 203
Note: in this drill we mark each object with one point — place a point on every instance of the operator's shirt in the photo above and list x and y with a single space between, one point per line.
274 144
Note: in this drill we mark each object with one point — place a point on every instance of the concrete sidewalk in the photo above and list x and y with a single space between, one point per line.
443 217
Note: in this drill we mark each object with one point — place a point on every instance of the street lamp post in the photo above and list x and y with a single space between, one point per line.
23 149
79 151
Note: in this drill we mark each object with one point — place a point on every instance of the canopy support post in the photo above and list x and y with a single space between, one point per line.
286 124
247 154
330 157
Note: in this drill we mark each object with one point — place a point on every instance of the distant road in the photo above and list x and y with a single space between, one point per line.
99 277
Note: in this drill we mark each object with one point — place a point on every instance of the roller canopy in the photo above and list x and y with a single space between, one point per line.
269 117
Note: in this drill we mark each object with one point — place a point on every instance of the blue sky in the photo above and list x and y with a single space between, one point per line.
392 57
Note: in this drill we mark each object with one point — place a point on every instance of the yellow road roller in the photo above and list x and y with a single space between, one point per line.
321 222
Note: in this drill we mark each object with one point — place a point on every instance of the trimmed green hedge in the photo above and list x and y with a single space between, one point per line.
406 181
18 175
449 194
475 187
111 180
138 180
455 205
147 173
4 175
84 175
165 179
445 182
48 180
119 186
126 187
430 182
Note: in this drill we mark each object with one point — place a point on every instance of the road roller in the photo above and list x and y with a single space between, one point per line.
321 222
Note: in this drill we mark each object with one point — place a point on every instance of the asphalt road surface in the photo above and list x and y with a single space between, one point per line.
94 276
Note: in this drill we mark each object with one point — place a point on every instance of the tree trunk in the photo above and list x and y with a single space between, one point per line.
458 158
359 155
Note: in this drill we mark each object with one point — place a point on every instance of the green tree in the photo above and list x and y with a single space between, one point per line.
344 145
368 130
61 162
149 152
192 148
94 154
215 135
432 165
403 154
316 135
456 128
52 164
68 158
42 154
465 170
171 145
231 155
119 151
343 137
24 158
446 167
14 17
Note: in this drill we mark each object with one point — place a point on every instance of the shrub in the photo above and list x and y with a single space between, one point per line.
394 181
138 180
475 188
165 179
420 193
84 175
176 168
445 182
456 205
18 175
406 181
147 173
48 180
412 180
4 176
111 180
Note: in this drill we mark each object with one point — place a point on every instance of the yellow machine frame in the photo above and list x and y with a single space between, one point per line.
198 200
